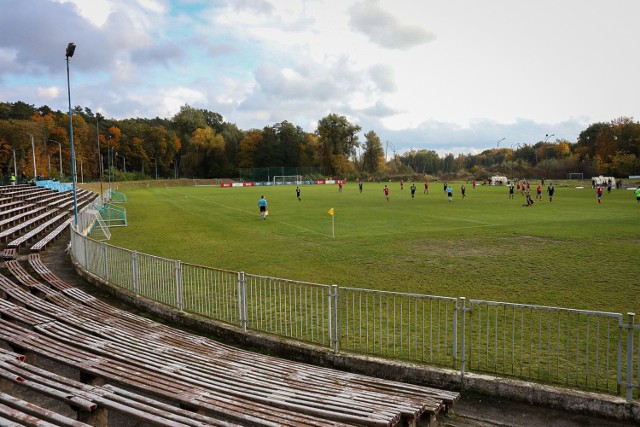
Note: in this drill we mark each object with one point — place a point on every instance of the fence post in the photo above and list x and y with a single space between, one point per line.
85 249
630 331
242 300
455 334
178 268
333 318
106 263
134 262
463 358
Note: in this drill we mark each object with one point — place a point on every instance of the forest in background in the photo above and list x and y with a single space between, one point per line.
197 143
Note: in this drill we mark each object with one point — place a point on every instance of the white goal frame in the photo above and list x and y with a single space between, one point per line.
296 179
576 175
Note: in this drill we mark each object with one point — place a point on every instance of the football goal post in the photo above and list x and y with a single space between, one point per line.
287 179
575 175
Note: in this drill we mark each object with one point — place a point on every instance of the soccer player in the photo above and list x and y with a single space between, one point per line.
511 190
539 192
450 193
550 190
360 186
413 190
426 187
386 192
298 193
463 191
599 193
262 205
638 195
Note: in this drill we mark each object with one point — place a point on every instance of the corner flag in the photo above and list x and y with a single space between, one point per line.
331 211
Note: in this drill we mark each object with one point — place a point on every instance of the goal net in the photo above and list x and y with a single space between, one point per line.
287 179
575 175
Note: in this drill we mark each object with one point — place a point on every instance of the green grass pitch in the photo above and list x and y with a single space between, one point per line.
572 253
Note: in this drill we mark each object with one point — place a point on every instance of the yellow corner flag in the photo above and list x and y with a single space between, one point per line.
331 211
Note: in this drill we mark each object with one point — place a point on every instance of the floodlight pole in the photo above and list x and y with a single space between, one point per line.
100 171
33 150
71 48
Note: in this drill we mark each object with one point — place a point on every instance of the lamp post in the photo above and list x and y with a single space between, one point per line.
109 166
33 150
499 141
71 48
99 156
60 155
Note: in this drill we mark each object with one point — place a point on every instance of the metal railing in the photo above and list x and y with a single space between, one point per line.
586 350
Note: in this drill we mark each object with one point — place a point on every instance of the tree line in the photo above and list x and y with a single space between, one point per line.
197 143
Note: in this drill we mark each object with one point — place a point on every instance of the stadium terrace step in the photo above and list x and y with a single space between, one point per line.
23 226
41 244
35 232
167 356
20 216
92 399
35 262
18 412
9 253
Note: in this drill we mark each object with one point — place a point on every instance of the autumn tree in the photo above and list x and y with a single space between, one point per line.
338 141
373 156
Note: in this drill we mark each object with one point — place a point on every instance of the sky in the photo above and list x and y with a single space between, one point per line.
453 76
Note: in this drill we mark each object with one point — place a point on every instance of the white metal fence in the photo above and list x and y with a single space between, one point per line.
587 350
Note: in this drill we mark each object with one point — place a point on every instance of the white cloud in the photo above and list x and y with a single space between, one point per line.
499 69
95 11
49 93
385 29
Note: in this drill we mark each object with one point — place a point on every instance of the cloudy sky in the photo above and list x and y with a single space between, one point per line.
446 75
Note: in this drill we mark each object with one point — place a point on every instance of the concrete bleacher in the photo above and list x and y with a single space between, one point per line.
36 214
158 375
134 352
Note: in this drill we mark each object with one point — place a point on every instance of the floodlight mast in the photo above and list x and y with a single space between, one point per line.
71 48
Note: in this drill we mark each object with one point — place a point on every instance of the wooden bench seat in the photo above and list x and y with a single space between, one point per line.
18 412
35 262
186 342
20 216
6 214
9 253
51 199
215 404
318 395
38 196
10 233
35 232
94 398
41 244
21 274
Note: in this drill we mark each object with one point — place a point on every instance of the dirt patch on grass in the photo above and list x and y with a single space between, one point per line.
479 247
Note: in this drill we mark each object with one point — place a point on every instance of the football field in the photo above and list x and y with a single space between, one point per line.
571 253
